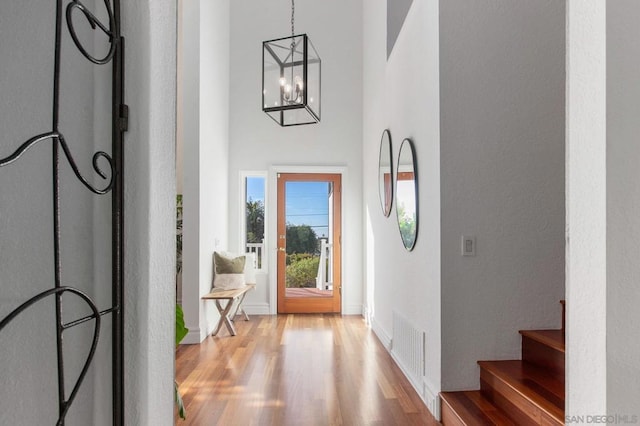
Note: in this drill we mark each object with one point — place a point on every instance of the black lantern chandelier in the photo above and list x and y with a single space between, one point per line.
291 79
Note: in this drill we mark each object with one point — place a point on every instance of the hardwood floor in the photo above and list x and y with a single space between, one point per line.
296 370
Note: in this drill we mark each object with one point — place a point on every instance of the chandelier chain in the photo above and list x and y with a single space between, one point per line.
293 44
293 10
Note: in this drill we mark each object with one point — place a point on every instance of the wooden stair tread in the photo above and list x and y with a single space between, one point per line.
552 338
532 383
471 408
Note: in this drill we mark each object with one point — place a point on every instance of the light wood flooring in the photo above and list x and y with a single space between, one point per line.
296 370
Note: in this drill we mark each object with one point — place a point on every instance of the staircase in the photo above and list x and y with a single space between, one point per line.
520 392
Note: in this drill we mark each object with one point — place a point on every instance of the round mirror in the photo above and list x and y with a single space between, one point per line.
407 194
385 173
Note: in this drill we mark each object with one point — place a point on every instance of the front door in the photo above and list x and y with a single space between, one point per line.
309 242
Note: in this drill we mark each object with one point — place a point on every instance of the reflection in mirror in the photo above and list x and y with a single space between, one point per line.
385 173
407 194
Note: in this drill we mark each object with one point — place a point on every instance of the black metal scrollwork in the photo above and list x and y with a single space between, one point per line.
114 178
58 138
94 343
94 22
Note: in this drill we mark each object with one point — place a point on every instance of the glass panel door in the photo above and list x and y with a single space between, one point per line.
309 243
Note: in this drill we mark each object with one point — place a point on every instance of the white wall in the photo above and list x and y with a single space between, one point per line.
28 349
502 168
179 98
204 109
188 108
623 202
150 28
586 206
256 142
214 140
402 95
481 93
179 126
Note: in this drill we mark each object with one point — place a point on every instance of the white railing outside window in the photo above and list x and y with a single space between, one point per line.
258 250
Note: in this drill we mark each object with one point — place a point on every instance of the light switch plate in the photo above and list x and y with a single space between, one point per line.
468 245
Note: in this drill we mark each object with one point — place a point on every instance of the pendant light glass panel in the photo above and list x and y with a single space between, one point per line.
291 80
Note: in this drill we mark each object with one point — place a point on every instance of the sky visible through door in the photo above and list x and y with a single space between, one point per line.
306 203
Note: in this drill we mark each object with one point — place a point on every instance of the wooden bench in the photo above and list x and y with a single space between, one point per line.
231 296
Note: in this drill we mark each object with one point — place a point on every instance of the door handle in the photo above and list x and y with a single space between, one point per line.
282 249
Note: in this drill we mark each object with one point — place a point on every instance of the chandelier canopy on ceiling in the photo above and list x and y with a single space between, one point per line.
291 79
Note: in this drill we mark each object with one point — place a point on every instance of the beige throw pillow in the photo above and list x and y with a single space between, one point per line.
229 271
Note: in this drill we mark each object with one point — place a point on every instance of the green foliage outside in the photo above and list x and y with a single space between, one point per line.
302 271
302 256
301 239
296 257
255 221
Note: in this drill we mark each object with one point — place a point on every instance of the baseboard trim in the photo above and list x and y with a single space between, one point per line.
193 337
432 399
257 308
382 335
365 314
353 310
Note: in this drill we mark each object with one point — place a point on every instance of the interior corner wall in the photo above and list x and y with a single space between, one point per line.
502 107
586 205
150 183
374 116
179 97
189 107
214 144
623 203
204 108
402 94
257 143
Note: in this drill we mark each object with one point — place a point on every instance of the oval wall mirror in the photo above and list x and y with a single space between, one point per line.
385 173
407 194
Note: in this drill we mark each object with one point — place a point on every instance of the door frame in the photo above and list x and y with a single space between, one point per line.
272 223
331 304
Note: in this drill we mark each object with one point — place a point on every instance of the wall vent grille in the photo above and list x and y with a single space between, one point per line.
408 348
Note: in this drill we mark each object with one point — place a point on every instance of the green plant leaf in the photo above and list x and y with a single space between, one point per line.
181 330
179 402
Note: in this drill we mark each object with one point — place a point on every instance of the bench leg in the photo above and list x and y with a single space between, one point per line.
239 309
224 318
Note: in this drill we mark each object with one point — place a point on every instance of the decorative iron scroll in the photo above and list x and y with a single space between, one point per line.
114 184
